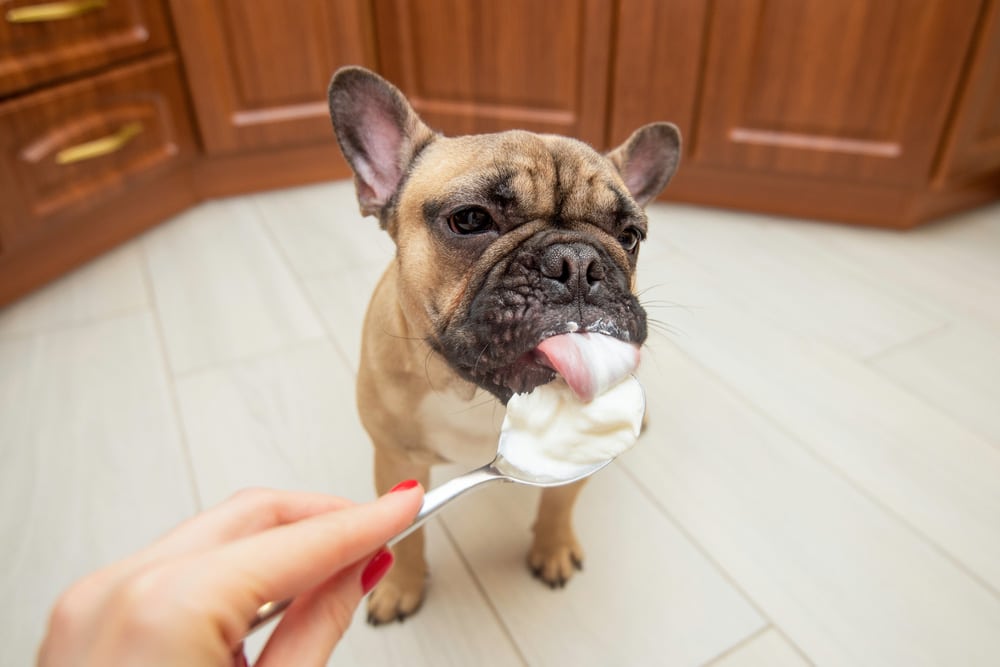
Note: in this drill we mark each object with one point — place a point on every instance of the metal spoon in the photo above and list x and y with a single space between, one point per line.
498 470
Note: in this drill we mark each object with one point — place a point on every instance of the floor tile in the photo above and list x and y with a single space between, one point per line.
342 300
320 229
646 596
788 280
93 466
284 420
936 475
108 285
841 577
957 370
950 266
222 289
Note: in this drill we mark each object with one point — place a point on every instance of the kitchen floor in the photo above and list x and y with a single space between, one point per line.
819 482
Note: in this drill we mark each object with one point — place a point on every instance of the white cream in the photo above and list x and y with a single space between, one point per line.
551 434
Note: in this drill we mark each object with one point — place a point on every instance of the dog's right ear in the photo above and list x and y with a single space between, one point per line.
378 131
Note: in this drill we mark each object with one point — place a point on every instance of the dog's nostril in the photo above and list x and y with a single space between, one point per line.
572 264
595 272
557 264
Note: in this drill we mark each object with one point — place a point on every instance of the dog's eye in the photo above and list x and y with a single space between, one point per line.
629 238
472 220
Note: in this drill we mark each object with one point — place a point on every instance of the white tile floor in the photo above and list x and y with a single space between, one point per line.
820 482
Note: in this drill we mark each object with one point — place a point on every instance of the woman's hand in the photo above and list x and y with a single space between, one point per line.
189 598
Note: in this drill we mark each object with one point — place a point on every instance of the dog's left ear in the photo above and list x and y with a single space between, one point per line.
648 159
378 131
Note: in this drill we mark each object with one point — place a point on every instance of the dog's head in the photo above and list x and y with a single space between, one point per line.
502 239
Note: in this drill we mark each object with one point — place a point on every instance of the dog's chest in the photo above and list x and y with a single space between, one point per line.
458 430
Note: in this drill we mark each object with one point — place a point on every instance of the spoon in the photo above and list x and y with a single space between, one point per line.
497 470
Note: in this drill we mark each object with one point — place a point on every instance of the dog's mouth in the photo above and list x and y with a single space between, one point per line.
588 361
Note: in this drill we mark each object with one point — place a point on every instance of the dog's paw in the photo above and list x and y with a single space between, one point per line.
394 600
555 562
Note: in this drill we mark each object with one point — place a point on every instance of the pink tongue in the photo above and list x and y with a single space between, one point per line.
589 363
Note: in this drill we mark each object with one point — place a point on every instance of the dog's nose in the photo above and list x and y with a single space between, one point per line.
575 265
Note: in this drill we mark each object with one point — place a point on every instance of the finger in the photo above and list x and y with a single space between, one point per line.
247 512
287 560
318 619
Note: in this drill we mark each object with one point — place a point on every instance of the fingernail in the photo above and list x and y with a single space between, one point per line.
403 486
376 569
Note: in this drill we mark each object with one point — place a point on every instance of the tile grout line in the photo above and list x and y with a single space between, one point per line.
168 372
299 282
78 324
738 645
482 590
872 359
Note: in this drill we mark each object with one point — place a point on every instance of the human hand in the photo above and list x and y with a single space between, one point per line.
190 597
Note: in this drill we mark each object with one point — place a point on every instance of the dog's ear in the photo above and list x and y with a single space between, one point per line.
648 159
378 131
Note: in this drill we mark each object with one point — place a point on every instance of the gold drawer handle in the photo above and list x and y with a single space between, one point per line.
98 147
54 11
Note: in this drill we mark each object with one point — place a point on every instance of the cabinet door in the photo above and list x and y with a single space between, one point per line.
258 69
975 145
855 90
470 66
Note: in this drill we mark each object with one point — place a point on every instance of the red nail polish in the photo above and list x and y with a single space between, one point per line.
403 486
376 569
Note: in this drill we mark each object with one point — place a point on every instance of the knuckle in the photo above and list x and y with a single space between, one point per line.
69 611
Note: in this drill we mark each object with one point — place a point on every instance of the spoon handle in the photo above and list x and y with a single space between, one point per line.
434 500
439 496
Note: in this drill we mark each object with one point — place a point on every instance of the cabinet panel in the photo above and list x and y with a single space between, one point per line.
258 69
68 150
657 66
37 47
853 90
472 67
975 146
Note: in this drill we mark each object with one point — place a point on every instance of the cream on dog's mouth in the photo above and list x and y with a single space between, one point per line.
588 362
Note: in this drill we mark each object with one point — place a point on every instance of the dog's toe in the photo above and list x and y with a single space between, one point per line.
555 564
392 602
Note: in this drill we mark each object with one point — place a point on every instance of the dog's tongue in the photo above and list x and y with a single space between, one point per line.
589 363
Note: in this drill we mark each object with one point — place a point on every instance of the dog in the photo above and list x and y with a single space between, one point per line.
502 240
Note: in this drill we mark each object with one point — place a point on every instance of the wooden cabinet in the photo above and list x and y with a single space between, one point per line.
471 67
96 139
837 110
852 90
259 70
883 112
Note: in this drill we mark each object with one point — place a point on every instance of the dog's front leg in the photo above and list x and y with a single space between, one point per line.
555 553
401 592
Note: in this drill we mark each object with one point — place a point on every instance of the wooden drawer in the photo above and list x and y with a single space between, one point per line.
67 150
74 36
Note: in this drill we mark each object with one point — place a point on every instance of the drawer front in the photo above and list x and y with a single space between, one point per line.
67 150
44 40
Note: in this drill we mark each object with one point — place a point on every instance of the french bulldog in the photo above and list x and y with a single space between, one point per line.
502 240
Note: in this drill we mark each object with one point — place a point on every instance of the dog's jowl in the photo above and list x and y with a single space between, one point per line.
502 240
